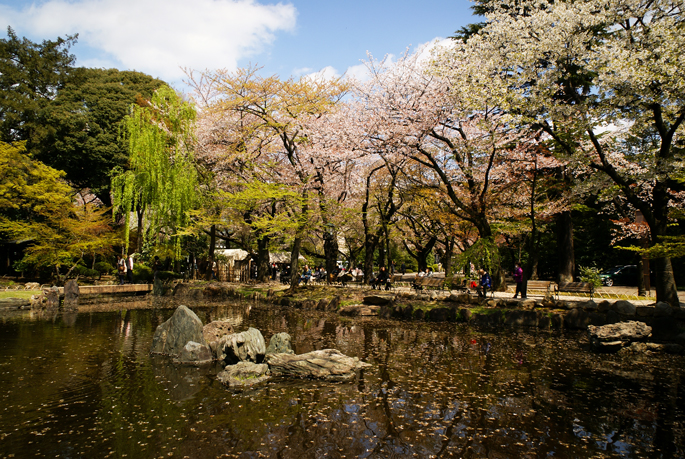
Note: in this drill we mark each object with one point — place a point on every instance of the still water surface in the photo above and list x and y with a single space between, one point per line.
84 386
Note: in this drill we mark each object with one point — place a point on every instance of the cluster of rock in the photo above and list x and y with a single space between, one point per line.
49 300
245 355
214 291
629 337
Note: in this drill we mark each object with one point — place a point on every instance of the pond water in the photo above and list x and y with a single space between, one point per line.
84 386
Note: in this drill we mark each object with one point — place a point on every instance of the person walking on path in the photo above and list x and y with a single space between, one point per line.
518 278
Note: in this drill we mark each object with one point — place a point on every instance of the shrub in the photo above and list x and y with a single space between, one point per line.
83 271
167 275
590 274
142 274
103 267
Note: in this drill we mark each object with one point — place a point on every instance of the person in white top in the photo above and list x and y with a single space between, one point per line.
129 269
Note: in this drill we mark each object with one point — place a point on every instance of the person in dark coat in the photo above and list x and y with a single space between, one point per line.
381 278
485 283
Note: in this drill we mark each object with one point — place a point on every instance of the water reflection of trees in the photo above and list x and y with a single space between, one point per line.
433 390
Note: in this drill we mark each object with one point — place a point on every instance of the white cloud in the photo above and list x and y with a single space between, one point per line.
326 73
159 36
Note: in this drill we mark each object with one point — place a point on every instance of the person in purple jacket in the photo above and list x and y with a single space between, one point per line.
518 278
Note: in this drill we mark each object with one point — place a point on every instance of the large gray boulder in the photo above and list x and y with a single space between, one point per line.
238 347
612 337
171 336
328 364
71 293
214 331
280 343
52 298
195 354
625 308
244 374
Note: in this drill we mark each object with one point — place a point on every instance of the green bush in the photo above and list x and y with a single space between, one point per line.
167 275
103 267
83 271
590 274
142 274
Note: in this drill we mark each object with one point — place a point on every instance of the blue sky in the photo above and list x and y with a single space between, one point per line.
287 38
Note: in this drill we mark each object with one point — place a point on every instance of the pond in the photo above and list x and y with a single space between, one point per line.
83 385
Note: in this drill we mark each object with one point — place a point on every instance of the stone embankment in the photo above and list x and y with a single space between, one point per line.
667 324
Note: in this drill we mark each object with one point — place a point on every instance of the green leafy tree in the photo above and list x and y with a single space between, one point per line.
30 76
36 205
162 181
82 126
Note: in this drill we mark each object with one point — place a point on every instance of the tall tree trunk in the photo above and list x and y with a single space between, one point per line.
565 251
447 256
263 270
388 254
421 253
297 243
210 259
665 281
294 261
381 254
330 249
370 244
139 239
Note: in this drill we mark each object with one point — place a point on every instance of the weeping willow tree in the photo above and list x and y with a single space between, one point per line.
161 182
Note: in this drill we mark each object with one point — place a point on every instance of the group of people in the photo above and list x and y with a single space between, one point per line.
485 282
125 269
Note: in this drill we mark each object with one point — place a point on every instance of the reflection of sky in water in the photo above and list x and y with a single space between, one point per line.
433 390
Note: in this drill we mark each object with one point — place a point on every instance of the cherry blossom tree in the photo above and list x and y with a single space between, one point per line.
460 144
267 119
594 75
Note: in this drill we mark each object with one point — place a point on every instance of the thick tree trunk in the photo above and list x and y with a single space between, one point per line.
381 255
212 244
421 253
447 256
665 282
294 261
369 248
388 253
263 268
330 250
565 251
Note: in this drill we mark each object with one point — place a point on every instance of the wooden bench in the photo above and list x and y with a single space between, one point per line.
575 287
543 285
428 282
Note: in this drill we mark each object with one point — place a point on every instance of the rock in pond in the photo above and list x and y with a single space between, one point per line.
195 354
328 364
649 348
213 331
355 310
238 347
612 337
378 300
244 374
171 336
280 343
